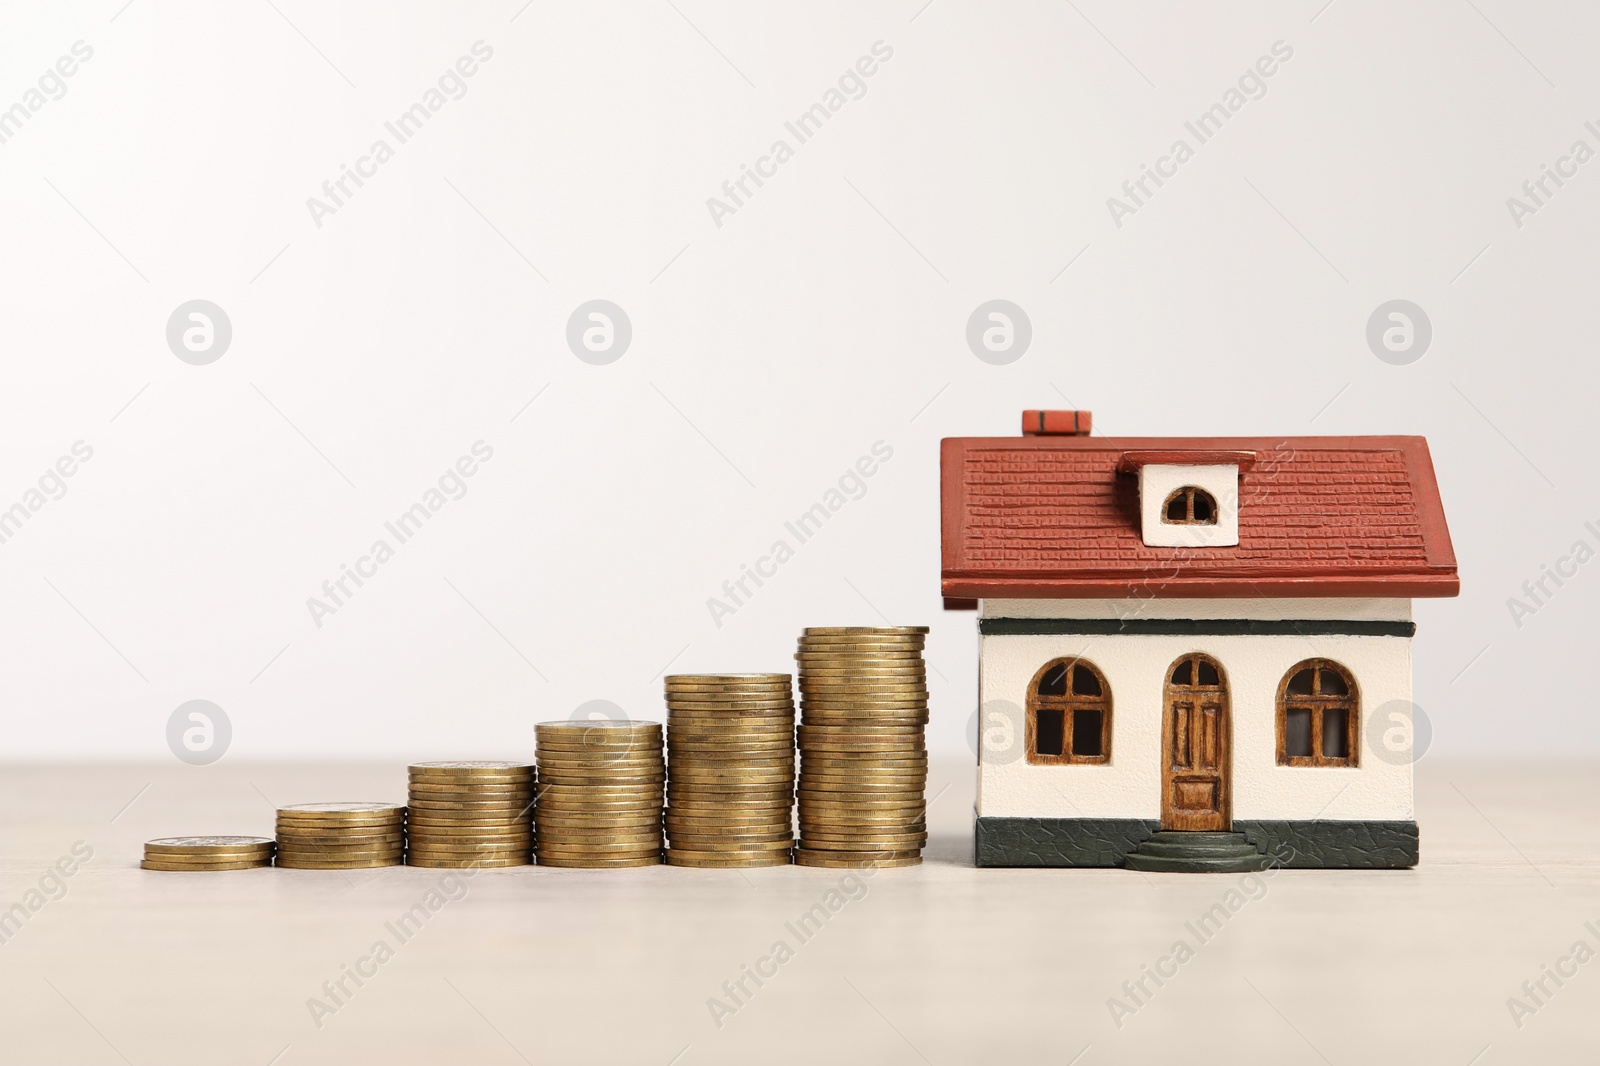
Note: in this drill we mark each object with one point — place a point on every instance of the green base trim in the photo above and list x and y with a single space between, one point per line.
1058 841
1336 845
1102 842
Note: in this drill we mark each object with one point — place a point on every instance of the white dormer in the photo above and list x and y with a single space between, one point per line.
1188 500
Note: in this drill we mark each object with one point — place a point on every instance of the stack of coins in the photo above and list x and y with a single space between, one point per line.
340 836
476 814
730 774
863 758
207 853
599 793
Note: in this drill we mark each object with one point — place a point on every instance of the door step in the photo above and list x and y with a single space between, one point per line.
1172 851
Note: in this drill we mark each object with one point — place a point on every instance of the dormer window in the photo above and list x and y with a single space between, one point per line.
1188 498
1190 506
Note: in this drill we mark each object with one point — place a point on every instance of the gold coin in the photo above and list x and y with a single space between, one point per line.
560 820
860 847
342 822
855 631
843 861
470 788
362 851
597 804
468 766
598 864
741 678
587 841
323 864
338 810
200 867
487 850
717 861
467 864
598 726
596 851
845 840
192 848
474 822
730 840
339 840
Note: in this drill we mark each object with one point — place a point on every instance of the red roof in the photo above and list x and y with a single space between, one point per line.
1052 516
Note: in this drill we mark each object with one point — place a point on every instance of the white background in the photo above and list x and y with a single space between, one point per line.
828 313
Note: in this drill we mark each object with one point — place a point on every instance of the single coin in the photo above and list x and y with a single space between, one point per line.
364 851
596 727
204 849
469 788
856 631
471 766
459 854
599 864
333 810
322 864
203 867
338 841
619 849
913 821
467 864
837 861
729 840
836 841
719 861
569 820
474 822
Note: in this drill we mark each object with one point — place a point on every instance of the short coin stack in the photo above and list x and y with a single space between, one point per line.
476 814
207 853
599 793
730 778
863 757
340 836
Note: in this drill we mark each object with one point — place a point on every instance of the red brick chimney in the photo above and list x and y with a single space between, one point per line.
1056 423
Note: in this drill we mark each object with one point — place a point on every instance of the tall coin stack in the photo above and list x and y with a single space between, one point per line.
863 756
341 836
730 770
599 793
476 814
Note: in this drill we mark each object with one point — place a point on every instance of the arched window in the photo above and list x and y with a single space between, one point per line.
1069 714
1190 506
1319 716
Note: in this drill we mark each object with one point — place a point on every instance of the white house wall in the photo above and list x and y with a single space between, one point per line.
1135 668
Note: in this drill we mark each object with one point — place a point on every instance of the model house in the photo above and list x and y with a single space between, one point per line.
1195 653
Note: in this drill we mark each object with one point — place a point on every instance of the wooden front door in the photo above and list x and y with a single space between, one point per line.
1196 736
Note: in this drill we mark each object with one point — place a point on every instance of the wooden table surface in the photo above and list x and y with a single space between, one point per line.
941 963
